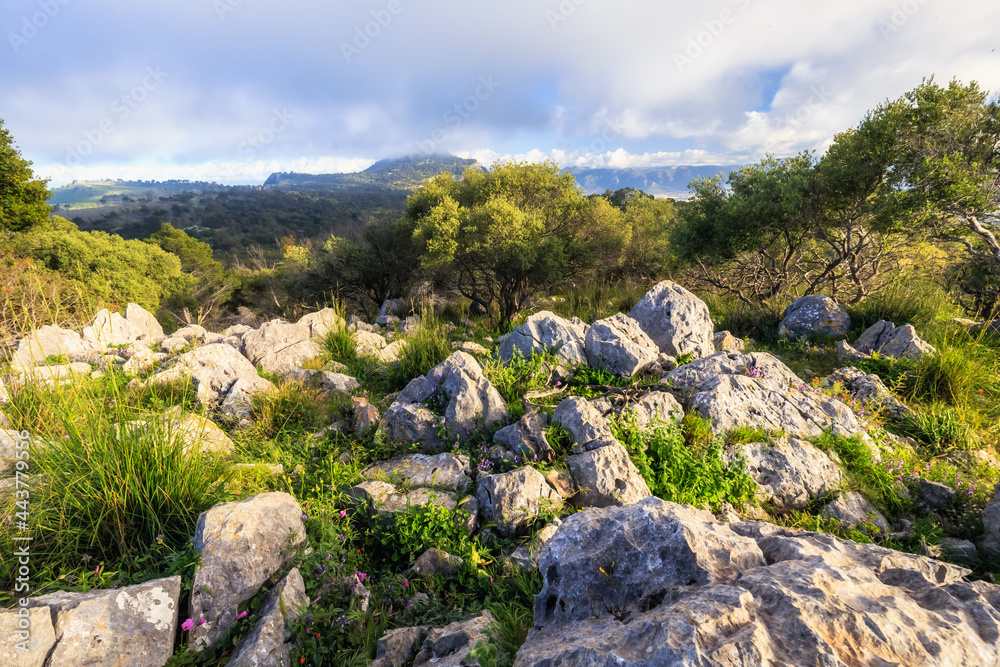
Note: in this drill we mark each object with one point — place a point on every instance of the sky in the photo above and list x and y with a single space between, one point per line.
233 90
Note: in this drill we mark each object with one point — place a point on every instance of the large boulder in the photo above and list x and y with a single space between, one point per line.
892 341
526 438
107 329
513 500
280 346
661 584
50 340
441 471
606 476
269 642
582 421
321 322
547 332
470 402
814 314
754 364
618 345
215 370
655 407
242 544
676 320
788 472
143 321
132 626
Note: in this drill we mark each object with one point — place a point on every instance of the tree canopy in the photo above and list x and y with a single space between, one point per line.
22 196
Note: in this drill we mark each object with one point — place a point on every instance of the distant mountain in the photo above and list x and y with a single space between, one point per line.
660 181
405 173
87 194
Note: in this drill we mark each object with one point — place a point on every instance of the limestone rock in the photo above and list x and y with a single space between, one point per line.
606 476
395 647
280 346
192 332
50 340
892 341
435 562
935 494
267 645
241 546
526 556
365 414
132 626
723 341
526 438
847 353
9 446
789 472
470 347
368 343
382 498
26 646
853 509
238 402
618 345
143 321
333 383
442 471
201 434
107 329
656 406
990 541
321 322
869 389
814 314
547 332
512 500
581 420
676 320
756 364
448 646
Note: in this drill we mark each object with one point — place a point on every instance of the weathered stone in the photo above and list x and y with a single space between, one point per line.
201 434
267 645
656 406
547 332
214 370
755 364
143 321
853 509
892 341
435 562
723 341
368 344
130 626
441 471
974 460
470 347
606 476
382 498
676 320
28 646
192 332
238 402
960 552
50 340
526 438
788 472
365 414
392 352
449 646
241 545
562 481
730 401
53 375
173 344
618 345
513 500
396 647
869 389
581 420
321 322
525 557
237 330
107 329
280 346
814 314
11 443
846 353
333 383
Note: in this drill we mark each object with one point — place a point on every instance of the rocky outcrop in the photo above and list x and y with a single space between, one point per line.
268 644
280 347
892 341
470 402
676 320
688 377
685 589
241 546
788 472
449 646
382 498
869 389
582 421
655 407
222 376
547 332
526 437
321 322
606 476
50 340
814 314
132 626
853 509
441 471
513 500
618 345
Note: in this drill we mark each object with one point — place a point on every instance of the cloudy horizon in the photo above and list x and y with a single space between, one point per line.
233 90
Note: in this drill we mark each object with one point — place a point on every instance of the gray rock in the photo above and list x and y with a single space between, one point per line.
368 343
53 375
973 460
321 322
525 557
606 476
384 499
267 645
239 330
238 402
435 562
581 420
676 320
131 626
50 340
737 400
11 443
280 346
396 647
723 341
935 494
470 347
393 307
788 472
814 314
960 552
192 332
173 344
853 509
149 329
547 332
869 389
654 407
26 646
990 541
441 471
526 438
449 646
241 545
513 500
107 329
847 353
756 364
334 383
892 341
215 369
471 402
618 345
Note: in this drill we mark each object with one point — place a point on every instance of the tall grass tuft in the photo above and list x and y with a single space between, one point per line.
600 300
425 349
916 302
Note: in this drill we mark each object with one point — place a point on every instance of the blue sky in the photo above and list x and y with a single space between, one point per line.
232 90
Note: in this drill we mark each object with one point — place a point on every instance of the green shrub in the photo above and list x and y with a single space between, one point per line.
941 427
519 376
916 302
424 350
876 481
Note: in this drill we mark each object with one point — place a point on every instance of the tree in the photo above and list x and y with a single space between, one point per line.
499 237
22 196
650 221
212 284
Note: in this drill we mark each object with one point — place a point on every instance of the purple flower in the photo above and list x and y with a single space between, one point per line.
240 615
304 517
343 514
188 625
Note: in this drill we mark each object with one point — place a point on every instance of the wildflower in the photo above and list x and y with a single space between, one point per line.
343 514
242 614
202 620
188 625
85 559
304 517
406 582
